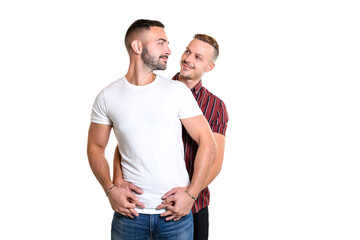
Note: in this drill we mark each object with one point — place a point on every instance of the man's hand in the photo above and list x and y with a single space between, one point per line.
123 200
177 203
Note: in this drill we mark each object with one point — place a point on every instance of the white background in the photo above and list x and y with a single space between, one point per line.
288 72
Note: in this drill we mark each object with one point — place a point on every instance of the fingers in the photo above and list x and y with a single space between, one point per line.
170 215
164 205
135 200
135 188
132 197
133 212
167 213
169 193
129 205
170 218
126 213
170 199
171 209
139 204
129 215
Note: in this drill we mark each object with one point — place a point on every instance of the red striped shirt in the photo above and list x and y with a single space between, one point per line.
215 112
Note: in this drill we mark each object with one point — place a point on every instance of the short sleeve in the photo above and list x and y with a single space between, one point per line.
219 124
99 111
188 106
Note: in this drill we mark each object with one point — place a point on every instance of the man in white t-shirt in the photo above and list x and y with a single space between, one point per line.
146 112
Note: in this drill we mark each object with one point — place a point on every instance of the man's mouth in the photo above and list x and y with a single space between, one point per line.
187 66
164 58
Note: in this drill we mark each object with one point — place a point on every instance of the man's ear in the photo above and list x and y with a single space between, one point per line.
137 46
210 67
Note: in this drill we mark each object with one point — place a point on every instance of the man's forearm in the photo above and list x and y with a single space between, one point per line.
97 140
213 173
199 130
100 168
218 159
117 175
203 160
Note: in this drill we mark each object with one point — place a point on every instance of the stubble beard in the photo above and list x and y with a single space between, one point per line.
151 61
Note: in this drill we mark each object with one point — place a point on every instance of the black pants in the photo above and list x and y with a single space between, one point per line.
201 224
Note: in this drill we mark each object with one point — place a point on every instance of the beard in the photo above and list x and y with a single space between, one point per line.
151 61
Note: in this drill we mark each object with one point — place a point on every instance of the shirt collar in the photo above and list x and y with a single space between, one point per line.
195 89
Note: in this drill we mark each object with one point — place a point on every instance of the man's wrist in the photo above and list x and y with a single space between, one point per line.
190 195
118 181
109 190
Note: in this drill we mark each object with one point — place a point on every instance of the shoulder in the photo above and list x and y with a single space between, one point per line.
213 98
112 88
114 84
167 81
172 85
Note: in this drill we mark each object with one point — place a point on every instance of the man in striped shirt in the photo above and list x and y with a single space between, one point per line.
198 58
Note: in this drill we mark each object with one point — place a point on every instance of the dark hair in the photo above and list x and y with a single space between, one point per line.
138 26
210 40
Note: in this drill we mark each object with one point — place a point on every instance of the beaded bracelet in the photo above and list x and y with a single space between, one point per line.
190 195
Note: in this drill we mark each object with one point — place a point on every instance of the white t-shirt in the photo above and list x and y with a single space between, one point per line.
146 122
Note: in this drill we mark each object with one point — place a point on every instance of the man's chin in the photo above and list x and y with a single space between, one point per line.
160 67
184 74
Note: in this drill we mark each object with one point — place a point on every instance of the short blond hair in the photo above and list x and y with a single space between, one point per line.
210 40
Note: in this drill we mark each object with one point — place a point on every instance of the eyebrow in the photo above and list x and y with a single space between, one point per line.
194 52
163 40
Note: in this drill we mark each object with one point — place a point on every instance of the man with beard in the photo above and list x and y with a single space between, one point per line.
146 112
198 58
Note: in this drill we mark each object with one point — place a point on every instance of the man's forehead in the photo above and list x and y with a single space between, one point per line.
156 33
200 47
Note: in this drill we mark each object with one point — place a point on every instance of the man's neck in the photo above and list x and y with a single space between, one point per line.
190 83
139 75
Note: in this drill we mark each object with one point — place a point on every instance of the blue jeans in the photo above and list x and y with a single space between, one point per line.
151 226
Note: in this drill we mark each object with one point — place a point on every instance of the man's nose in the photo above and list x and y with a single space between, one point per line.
168 52
188 58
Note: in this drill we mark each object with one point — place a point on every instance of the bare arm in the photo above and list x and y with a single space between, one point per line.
181 199
117 176
199 130
97 141
218 159
125 187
